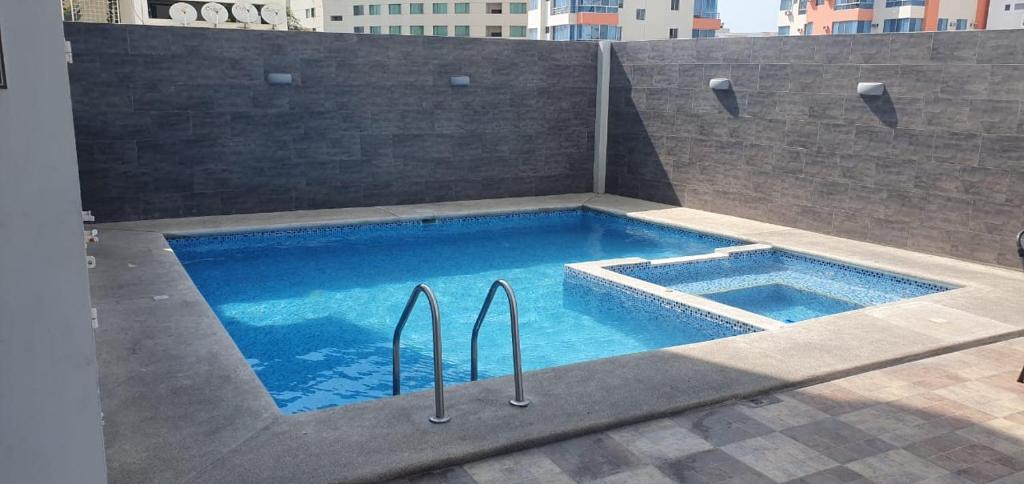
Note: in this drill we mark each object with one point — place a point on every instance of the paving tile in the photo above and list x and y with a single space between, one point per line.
832 398
712 466
833 475
591 457
788 412
895 467
880 419
722 425
645 474
779 457
526 467
828 434
659 440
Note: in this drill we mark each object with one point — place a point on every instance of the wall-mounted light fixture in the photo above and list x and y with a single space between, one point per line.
870 88
720 84
279 78
459 81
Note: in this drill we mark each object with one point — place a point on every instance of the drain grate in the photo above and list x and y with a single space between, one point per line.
762 401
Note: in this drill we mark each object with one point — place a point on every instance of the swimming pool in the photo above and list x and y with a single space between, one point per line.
781 285
313 310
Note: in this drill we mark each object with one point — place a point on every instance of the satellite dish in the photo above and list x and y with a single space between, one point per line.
246 13
183 13
274 15
214 13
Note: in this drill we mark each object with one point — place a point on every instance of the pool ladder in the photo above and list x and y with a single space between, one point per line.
435 316
517 358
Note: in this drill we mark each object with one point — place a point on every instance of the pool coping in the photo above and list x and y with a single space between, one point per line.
181 403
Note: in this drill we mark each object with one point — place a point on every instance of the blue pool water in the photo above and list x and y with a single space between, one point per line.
313 311
783 303
784 286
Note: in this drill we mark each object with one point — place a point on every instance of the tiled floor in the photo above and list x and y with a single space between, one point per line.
956 418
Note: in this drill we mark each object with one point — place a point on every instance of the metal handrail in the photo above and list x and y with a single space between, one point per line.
517 359
396 371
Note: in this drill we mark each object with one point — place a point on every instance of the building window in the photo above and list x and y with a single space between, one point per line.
641 14
374 9
493 31
394 9
415 30
462 31
517 31
440 30
375 29
311 13
673 33
674 5
586 32
494 8
903 25
702 34
853 4
337 18
357 10
705 8
961 24
784 30
942 25
802 7
462 7
532 4
785 5
851 27
905 3
517 7
357 30
416 8
809 28
532 34
395 30
440 8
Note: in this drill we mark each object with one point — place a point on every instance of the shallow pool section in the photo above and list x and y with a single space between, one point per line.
314 310
782 302
781 285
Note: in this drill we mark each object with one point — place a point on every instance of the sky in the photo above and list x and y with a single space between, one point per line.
749 15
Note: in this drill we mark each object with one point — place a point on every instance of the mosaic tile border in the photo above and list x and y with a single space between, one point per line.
576 275
640 268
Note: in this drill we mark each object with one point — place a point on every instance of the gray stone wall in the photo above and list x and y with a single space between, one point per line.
174 122
935 165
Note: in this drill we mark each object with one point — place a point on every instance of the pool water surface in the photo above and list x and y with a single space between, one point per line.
314 310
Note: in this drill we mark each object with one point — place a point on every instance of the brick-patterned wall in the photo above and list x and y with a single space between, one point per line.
935 165
175 122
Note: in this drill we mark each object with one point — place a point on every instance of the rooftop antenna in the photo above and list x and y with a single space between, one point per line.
214 13
274 15
246 13
183 13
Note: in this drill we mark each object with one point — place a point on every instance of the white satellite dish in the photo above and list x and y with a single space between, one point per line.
183 13
246 13
274 14
214 13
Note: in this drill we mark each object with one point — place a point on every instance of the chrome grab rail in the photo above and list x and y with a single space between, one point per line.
517 359
396 372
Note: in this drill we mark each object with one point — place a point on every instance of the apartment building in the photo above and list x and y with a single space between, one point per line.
1005 14
474 18
303 14
529 19
835 17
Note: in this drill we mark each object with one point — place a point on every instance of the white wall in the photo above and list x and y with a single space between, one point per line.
50 428
1000 19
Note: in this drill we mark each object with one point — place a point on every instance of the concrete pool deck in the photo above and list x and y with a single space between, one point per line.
181 403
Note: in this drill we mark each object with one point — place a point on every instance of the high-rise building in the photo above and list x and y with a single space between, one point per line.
1005 14
835 17
302 14
528 19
